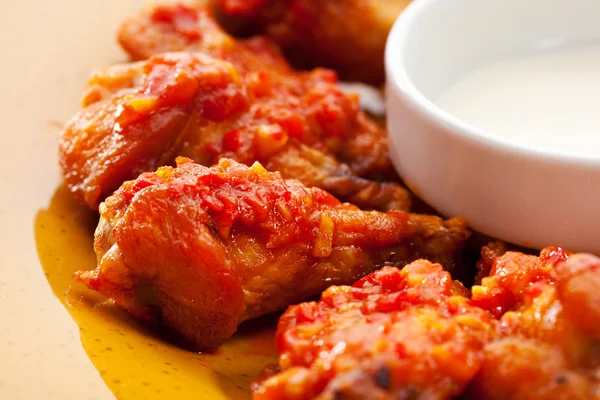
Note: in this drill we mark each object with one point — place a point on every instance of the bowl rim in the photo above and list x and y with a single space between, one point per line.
398 77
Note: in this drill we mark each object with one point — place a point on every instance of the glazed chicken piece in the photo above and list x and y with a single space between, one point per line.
529 331
176 28
169 28
395 334
229 99
548 343
202 249
317 33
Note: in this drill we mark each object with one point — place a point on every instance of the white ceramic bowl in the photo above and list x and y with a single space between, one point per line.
505 189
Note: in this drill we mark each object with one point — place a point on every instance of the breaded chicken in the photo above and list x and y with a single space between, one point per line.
202 249
346 35
222 98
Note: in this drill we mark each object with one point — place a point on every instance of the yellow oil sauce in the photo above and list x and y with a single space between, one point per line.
135 359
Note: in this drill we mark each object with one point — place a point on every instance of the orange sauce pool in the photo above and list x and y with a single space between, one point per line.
134 359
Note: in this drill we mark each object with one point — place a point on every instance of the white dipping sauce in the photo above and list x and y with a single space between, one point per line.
548 100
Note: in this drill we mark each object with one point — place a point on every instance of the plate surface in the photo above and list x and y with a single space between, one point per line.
57 339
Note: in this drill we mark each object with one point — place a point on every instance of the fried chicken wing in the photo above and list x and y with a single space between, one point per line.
203 249
170 28
160 30
548 343
395 334
221 98
529 331
317 33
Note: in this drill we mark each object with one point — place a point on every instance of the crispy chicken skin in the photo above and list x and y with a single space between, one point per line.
202 249
317 32
395 334
529 331
236 99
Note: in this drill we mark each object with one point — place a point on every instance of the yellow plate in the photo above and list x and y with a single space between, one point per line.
57 339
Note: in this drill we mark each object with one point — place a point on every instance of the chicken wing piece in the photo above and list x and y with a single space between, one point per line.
159 30
548 343
395 334
251 107
169 28
529 331
202 249
317 32
177 28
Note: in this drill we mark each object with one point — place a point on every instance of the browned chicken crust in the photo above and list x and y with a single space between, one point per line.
203 249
